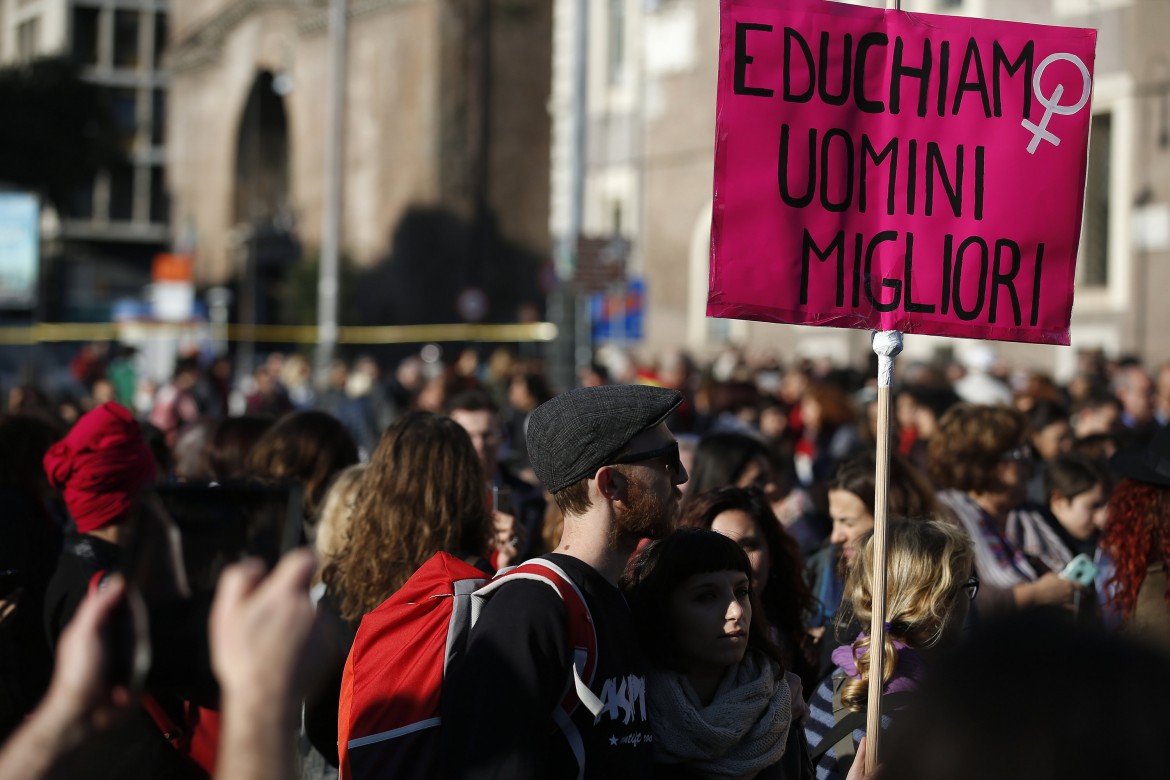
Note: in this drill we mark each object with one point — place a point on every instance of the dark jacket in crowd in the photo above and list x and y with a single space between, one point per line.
135 747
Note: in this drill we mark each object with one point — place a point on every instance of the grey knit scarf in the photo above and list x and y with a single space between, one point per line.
739 734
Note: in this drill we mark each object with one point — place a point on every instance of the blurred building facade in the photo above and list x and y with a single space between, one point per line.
111 229
446 106
650 128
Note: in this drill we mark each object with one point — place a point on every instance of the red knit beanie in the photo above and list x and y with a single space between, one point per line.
101 466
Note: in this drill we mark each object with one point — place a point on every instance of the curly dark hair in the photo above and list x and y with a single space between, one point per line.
970 443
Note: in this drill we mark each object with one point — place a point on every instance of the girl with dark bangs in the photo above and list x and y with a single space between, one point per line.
777 569
720 702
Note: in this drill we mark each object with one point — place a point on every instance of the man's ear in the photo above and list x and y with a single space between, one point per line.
611 483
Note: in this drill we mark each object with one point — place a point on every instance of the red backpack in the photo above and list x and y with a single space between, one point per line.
388 714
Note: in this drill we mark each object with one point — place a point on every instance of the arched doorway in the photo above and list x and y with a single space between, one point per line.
268 248
262 162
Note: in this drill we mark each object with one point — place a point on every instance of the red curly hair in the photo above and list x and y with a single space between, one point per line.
1137 536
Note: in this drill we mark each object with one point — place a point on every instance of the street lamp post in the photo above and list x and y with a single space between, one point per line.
327 285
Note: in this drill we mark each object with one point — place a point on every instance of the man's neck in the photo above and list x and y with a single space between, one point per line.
587 538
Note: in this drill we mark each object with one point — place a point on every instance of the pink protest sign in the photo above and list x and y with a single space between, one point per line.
894 171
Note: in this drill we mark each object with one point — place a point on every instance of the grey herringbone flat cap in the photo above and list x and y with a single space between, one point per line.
577 432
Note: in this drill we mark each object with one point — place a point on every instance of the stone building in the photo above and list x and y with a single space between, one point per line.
650 125
445 106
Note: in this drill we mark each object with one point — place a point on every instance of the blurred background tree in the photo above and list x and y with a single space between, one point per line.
56 130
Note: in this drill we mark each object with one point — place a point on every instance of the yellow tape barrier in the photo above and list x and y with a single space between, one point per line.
286 334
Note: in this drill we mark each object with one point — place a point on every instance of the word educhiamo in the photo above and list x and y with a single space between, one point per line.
834 169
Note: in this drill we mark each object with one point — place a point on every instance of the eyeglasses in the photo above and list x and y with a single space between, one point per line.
971 587
1017 454
668 454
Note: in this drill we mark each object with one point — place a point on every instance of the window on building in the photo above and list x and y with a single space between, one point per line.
28 35
80 203
617 40
124 108
122 193
126 39
85 35
160 201
160 38
158 117
1094 255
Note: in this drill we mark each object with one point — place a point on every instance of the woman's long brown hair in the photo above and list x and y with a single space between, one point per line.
423 491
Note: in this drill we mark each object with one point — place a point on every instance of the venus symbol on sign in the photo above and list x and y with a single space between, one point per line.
1052 103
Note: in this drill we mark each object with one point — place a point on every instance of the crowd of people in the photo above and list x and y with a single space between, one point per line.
710 526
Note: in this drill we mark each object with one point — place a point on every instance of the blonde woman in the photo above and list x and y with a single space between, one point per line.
334 521
333 532
929 587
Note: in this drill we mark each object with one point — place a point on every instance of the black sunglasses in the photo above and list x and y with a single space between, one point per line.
669 454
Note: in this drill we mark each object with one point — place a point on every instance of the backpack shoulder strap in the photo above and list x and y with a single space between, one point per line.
582 638
581 633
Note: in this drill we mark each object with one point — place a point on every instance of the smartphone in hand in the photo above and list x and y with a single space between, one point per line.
1080 570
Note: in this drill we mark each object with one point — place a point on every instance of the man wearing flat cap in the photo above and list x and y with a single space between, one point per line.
613 469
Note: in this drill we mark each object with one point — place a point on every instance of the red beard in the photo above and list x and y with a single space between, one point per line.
645 515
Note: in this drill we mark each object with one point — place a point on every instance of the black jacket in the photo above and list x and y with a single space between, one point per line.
135 747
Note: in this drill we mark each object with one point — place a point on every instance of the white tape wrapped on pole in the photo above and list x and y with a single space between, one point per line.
886 345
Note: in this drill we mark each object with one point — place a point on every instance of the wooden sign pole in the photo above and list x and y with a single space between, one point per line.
886 344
